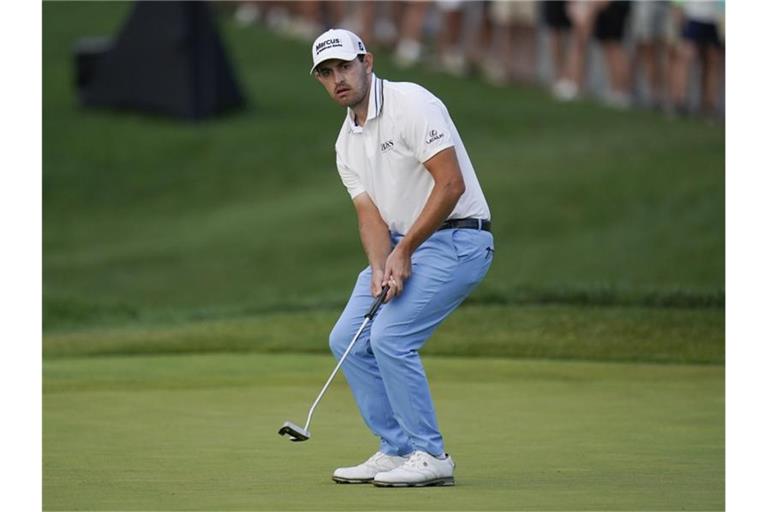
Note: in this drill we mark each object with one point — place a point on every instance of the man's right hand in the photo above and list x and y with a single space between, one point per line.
377 282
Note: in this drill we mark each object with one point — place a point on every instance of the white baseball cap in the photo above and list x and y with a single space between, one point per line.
336 43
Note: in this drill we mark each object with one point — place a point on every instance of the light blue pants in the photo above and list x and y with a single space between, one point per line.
384 369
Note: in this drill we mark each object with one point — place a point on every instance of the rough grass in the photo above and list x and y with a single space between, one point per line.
149 219
558 332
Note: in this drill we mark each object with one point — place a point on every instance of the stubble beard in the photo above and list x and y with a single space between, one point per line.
355 102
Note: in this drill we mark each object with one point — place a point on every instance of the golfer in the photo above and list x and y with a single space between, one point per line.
425 228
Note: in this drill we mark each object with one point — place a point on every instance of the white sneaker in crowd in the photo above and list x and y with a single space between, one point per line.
454 63
364 473
494 73
407 53
247 14
618 100
565 90
301 29
420 470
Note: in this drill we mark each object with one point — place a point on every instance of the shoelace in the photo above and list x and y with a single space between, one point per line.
375 457
418 459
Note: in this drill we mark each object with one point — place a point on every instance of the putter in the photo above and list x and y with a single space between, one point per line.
293 431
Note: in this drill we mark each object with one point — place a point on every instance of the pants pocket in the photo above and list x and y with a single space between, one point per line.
471 244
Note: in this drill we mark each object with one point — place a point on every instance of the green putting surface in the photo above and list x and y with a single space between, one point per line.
199 432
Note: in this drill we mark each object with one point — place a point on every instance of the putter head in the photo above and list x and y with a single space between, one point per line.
294 432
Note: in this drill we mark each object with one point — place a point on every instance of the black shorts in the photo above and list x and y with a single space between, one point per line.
702 33
611 21
554 15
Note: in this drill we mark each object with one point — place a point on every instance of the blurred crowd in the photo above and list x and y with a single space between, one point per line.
665 55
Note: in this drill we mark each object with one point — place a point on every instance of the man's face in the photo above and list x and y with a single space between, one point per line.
346 81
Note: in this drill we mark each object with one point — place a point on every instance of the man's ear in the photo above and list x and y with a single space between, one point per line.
368 61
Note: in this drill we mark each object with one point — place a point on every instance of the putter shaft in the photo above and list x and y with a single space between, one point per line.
287 428
335 371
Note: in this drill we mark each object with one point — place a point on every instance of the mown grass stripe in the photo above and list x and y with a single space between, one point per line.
557 332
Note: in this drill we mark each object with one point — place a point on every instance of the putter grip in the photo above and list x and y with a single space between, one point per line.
377 303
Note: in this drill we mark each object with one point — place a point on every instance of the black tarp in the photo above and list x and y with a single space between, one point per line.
167 59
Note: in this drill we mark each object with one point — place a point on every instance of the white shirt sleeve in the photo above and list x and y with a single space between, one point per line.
427 129
349 178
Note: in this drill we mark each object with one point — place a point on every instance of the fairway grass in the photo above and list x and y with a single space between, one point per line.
198 432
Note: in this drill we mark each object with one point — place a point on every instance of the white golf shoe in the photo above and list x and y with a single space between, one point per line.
420 470
364 473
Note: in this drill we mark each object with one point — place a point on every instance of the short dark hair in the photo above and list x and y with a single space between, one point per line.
360 57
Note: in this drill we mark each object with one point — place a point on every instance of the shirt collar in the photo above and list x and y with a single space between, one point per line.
375 103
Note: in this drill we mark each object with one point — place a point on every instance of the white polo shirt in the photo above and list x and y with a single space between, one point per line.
406 126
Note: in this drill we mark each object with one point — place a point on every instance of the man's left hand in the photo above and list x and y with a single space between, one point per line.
397 270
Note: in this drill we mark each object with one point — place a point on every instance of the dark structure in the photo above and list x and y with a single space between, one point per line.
167 59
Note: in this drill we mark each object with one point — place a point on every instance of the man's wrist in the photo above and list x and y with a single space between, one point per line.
406 246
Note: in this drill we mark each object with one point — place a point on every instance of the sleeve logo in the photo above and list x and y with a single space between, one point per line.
433 135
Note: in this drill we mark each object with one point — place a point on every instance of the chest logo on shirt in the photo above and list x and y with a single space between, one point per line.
433 135
387 145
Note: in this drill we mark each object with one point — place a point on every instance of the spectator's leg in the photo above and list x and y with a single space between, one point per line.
334 13
409 50
558 48
523 52
618 72
711 75
451 54
482 42
685 54
365 14
582 15
656 77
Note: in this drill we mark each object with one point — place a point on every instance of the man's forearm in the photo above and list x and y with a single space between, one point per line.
439 205
449 186
377 244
